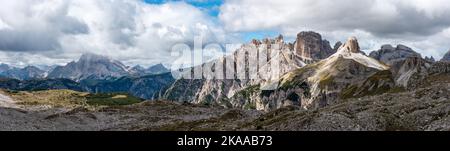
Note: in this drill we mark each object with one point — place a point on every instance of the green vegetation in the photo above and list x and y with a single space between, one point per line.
53 98
71 99
379 83
249 91
111 99
250 106
328 80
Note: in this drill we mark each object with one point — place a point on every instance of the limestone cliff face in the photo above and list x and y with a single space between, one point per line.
347 73
301 79
311 46
352 46
411 70
274 58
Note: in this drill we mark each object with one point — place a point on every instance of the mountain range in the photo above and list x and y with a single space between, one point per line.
313 74
91 73
89 66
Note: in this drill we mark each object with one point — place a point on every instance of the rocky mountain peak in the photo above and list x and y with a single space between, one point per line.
446 57
91 66
403 47
256 42
310 45
430 59
33 69
279 39
351 45
158 68
387 47
4 67
337 45
390 55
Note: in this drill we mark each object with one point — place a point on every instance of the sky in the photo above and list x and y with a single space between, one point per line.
143 32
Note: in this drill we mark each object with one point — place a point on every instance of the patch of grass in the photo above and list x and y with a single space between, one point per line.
374 81
250 106
53 98
111 99
71 99
248 92
328 80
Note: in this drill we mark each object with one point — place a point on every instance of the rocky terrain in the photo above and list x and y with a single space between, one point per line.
279 57
304 85
426 108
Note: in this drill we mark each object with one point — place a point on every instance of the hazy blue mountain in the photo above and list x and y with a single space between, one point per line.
91 66
157 69
4 67
146 87
39 84
27 73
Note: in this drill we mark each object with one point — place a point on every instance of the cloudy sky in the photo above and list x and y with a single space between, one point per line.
40 32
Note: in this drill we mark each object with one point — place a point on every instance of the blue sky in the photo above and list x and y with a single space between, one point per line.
128 30
212 8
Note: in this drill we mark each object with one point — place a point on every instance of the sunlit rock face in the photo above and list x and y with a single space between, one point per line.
310 46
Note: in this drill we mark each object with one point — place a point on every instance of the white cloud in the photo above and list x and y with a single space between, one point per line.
3 25
129 30
57 31
380 21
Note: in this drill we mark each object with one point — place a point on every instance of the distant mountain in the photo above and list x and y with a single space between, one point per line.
152 70
389 55
4 67
91 73
91 66
157 69
430 59
446 57
146 87
27 73
37 84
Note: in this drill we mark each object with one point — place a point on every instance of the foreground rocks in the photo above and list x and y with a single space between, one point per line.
424 109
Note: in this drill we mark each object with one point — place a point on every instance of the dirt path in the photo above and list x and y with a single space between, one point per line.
7 102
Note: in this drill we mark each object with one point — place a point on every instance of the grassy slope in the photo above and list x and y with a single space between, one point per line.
71 99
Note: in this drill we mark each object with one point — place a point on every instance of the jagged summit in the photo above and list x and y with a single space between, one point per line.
351 50
351 46
156 69
310 45
91 66
391 55
346 73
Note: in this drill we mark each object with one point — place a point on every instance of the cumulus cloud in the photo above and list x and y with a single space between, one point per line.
409 21
135 32
35 26
129 30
